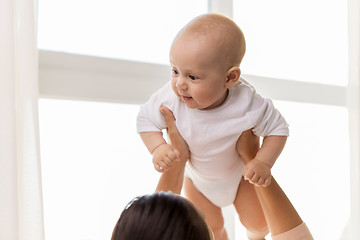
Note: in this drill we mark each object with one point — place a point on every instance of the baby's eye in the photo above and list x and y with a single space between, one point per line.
192 77
174 71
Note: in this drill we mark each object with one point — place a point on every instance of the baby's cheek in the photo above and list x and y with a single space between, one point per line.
206 97
173 86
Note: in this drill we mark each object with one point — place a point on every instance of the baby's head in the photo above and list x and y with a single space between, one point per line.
218 34
205 57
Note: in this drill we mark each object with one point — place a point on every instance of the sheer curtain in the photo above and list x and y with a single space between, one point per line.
354 115
21 214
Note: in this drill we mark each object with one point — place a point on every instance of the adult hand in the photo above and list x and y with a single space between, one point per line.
175 138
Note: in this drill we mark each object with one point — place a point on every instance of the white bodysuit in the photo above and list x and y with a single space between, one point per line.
215 167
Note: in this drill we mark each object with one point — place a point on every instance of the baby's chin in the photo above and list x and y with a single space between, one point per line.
188 103
191 106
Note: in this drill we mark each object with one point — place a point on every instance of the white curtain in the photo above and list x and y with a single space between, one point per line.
354 115
21 212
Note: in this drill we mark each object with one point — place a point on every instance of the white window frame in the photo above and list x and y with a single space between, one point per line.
70 76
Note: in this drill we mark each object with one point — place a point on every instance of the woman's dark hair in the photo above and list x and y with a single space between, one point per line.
160 216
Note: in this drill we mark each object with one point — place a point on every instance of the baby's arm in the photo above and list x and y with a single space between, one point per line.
258 171
164 154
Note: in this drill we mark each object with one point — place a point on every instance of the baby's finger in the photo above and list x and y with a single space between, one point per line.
158 168
267 182
248 175
244 171
261 181
255 179
165 164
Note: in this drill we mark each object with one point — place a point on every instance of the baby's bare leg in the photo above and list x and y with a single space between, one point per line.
213 214
250 211
280 214
172 180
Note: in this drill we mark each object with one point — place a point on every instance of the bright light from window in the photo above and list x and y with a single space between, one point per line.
314 167
93 164
302 40
138 30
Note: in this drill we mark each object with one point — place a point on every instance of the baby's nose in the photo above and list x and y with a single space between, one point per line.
181 84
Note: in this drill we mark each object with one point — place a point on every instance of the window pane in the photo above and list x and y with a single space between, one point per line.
302 40
313 169
93 164
138 30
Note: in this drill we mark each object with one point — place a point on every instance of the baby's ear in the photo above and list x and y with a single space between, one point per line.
232 76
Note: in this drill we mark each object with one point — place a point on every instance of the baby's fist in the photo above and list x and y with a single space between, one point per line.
258 173
164 156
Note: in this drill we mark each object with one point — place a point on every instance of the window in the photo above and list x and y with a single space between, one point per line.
138 30
313 169
94 162
301 40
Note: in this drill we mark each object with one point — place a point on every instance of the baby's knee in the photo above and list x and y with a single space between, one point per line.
216 224
256 230
256 226
218 228
258 234
220 233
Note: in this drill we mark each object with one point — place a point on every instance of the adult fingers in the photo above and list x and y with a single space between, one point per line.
174 155
168 116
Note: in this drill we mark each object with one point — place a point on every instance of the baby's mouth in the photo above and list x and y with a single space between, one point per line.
186 98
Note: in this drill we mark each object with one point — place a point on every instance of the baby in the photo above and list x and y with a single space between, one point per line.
213 105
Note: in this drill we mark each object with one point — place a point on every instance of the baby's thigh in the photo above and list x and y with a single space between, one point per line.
213 214
248 206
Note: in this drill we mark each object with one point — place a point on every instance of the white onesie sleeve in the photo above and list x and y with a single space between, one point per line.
149 118
270 121
264 118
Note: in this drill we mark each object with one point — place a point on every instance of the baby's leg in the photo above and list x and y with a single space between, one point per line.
250 212
213 214
280 214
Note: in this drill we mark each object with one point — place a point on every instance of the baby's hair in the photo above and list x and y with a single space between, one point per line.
160 216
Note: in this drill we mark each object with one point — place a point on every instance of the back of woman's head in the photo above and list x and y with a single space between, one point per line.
160 216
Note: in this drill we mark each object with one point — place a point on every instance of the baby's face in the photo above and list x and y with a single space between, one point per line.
198 75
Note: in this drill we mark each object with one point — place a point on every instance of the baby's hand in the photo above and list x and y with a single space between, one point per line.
258 173
164 156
